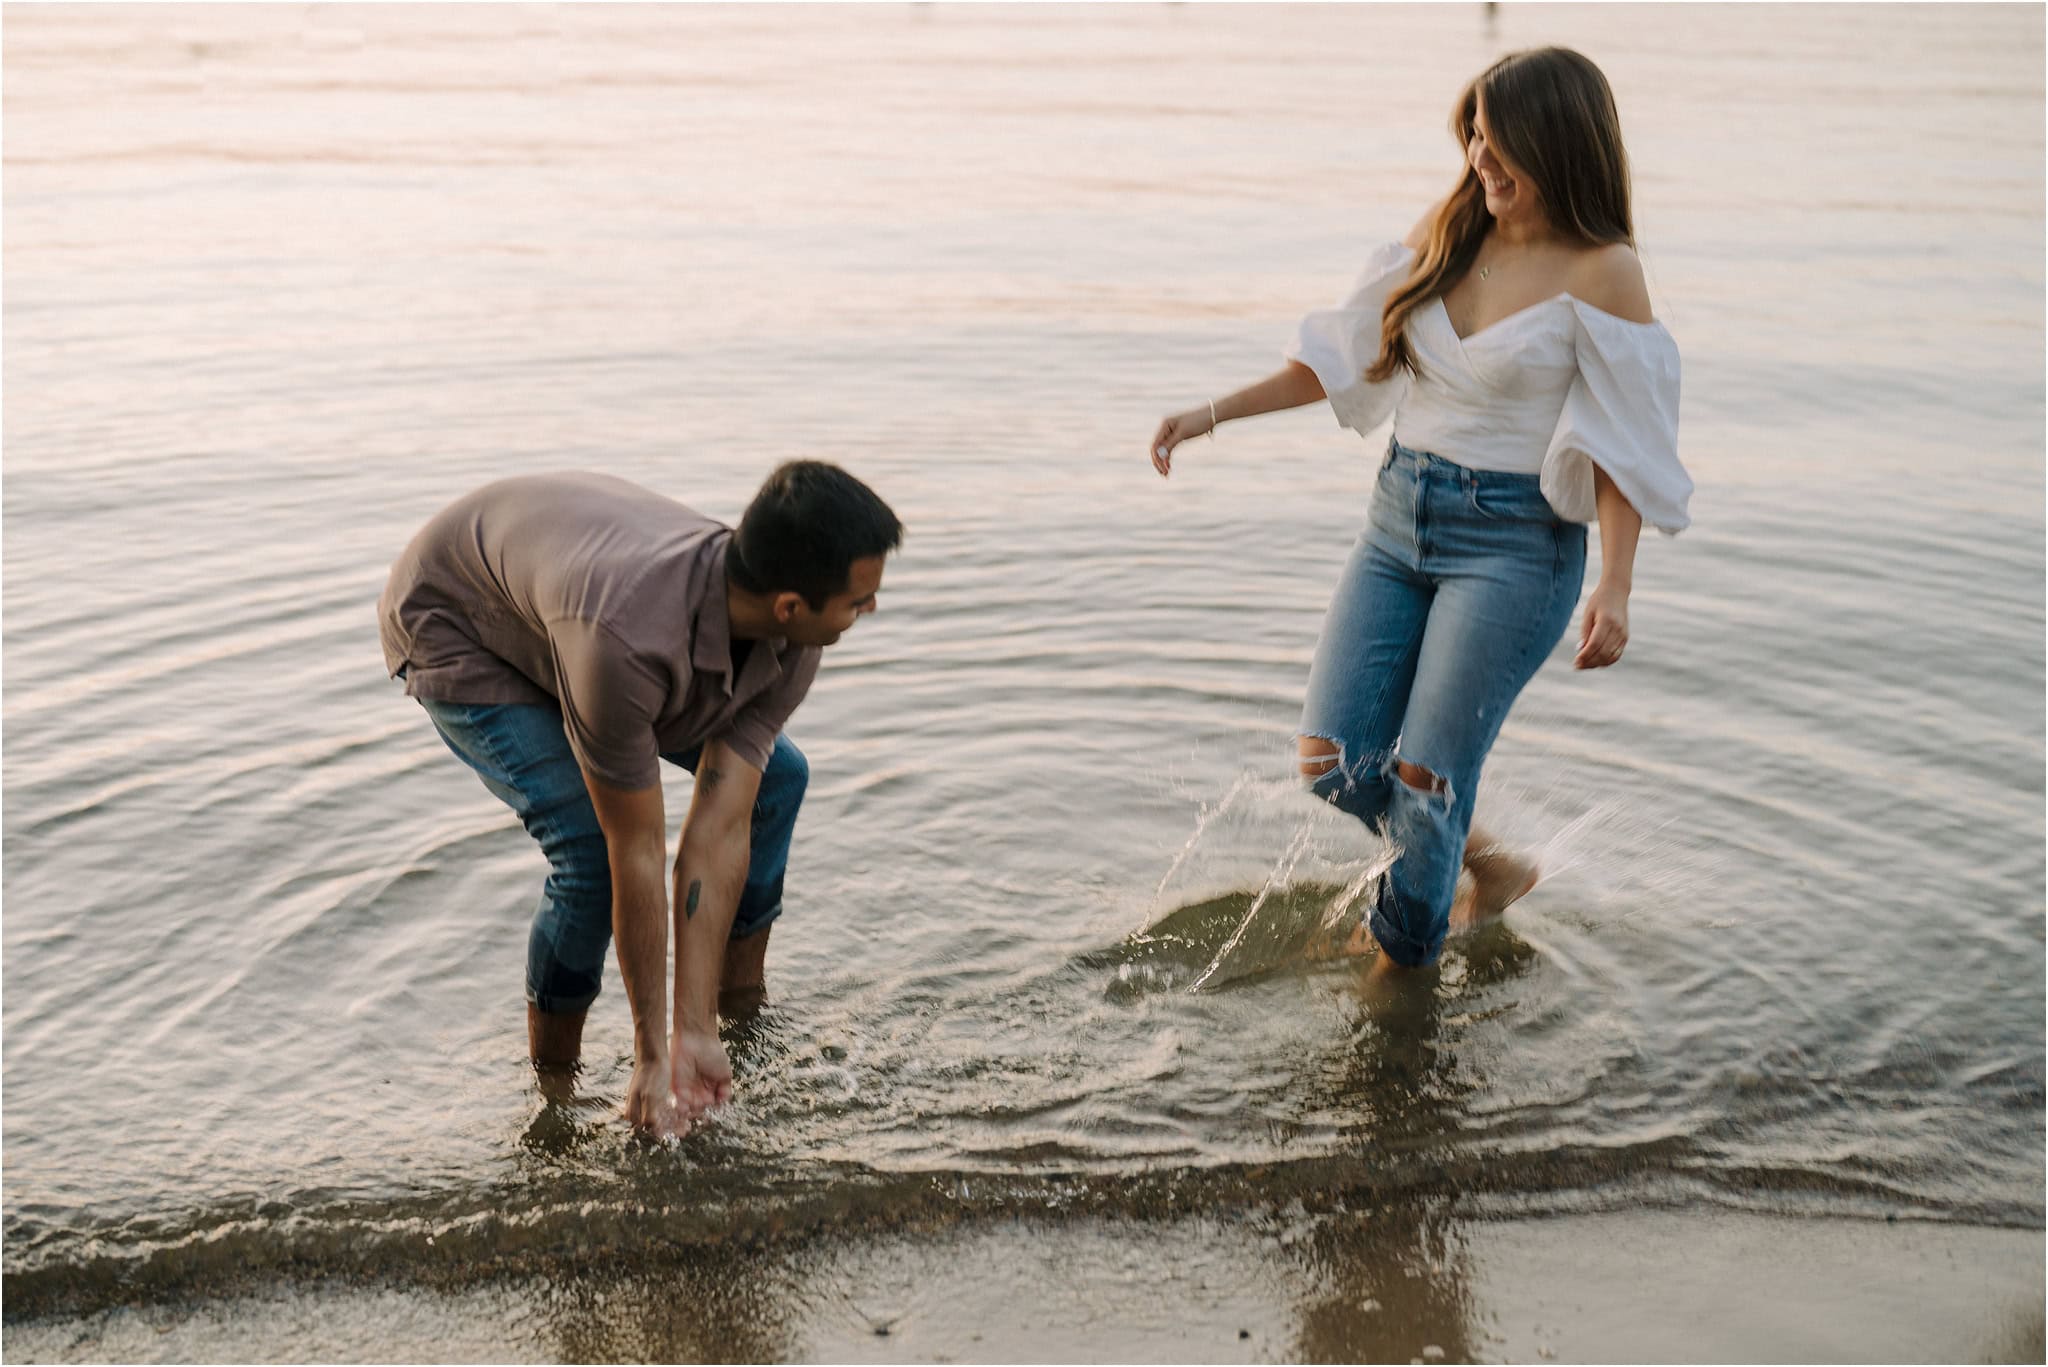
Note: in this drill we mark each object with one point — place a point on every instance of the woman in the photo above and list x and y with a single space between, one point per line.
1510 336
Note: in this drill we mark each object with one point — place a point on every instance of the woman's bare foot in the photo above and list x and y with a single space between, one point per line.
1325 945
1498 881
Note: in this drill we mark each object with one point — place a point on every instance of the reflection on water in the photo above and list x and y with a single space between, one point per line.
1396 1273
729 1304
1363 1284
1396 1281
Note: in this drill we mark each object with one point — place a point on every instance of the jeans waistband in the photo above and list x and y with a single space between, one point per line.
1426 459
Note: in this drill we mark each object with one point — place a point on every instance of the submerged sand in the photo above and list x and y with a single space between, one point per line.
1370 1285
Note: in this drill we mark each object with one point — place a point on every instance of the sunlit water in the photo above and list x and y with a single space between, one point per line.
281 281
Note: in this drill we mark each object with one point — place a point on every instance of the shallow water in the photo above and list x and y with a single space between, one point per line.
281 281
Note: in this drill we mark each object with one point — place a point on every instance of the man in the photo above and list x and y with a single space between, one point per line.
565 632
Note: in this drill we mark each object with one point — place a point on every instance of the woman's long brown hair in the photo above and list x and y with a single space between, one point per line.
1553 116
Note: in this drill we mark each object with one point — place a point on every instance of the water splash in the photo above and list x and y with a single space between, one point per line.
1615 860
1228 909
1282 876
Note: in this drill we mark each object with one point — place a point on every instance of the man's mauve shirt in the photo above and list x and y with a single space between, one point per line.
599 595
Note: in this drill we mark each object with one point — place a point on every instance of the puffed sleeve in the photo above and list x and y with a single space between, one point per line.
1622 415
1339 343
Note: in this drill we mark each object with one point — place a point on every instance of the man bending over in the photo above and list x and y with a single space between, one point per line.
567 632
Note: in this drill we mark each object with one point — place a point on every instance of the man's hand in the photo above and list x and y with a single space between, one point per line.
702 1074
711 868
650 1106
631 819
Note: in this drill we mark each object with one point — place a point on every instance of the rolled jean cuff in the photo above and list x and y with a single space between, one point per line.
1398 945
747 923
560 1004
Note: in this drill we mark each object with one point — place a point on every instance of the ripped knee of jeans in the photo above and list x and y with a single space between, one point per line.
1420 780
1320 756
1352 783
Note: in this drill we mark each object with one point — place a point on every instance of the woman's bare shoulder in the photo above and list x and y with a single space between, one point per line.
1610 278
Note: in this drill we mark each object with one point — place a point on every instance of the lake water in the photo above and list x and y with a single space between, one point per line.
281 281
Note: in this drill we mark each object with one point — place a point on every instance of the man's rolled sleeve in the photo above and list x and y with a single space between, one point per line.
754 727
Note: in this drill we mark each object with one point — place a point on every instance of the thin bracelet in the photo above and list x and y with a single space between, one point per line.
1212 420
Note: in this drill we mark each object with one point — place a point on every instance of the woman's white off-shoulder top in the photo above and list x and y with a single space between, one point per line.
1552 390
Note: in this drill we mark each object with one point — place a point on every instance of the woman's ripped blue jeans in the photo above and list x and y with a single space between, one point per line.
1459 588
523 756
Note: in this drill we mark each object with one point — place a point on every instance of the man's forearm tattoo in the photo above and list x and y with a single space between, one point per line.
707 778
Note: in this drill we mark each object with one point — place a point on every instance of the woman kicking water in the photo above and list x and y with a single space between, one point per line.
1510 336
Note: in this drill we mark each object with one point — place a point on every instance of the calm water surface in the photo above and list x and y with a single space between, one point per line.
281 281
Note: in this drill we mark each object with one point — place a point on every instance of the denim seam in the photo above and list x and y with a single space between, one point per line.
480 742
1377 921
1345 763
477 719
1537 647
488 743
1354 766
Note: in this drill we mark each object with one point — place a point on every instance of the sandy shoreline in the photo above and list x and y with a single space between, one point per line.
1690 1285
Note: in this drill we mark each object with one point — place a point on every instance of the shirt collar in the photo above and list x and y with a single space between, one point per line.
711 636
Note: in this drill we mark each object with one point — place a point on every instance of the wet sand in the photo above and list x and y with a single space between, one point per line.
1376 1285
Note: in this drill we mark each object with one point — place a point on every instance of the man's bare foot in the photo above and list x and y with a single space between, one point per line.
554 1038
557 1082
1498 881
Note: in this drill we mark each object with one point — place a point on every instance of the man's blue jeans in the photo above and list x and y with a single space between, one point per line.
1458 589
522 755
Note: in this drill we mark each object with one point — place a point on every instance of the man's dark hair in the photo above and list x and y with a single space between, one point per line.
805 529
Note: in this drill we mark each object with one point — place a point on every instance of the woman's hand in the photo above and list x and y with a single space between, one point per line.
1291 386
1172 432
1604 633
